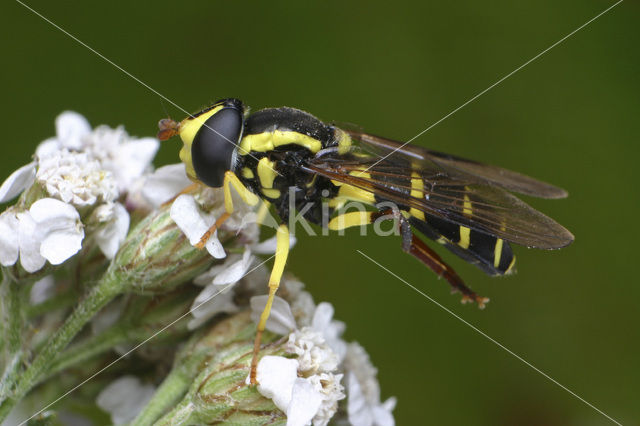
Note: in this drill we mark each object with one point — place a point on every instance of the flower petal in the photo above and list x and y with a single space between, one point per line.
186 213
47 148
382 413
9 229
165 183
71 127
111 235
281 320
42 290
206 278
276 376
58 225
133 159
17 182
50 210
29 242
331 330
125 398
236 271
268 246
357 408
210 302
305 403
61 245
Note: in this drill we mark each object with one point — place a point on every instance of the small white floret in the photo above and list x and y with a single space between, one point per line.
332 391
126 157
17 182
305 403
59 227
331 330
268 246
29 240
276 376
42 290
193 222
281 320
9 229
363 404
125 398
314 355
112 234
163 184
235 271
76 178
71 129
210 302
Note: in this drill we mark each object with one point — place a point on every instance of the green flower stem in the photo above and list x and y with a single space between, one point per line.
105 290
129 330
94 346
173 387
12 314
58 301
12 320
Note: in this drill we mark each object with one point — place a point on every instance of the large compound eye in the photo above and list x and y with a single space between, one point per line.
214 144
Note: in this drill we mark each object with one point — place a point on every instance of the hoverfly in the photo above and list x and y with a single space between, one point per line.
464 205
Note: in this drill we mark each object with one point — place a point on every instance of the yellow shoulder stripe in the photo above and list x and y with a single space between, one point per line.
267 141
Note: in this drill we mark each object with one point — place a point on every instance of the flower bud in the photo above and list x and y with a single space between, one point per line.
156 256
221 361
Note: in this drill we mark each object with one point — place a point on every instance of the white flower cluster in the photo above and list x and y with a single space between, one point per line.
83 173
310 394
307 387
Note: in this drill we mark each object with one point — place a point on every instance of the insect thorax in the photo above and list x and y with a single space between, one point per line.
275 143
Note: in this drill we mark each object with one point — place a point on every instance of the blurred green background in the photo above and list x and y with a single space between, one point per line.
570 117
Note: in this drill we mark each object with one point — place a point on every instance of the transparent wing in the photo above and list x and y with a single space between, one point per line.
457 166
449 190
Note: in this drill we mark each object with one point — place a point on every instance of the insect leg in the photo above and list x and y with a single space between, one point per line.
230 179
413 245
282 251
263 211
187 189
426 255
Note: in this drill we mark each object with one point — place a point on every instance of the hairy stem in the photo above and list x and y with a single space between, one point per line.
105 290
94 346
12 321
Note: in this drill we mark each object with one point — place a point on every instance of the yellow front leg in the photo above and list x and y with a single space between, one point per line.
263 211
230 179
282 252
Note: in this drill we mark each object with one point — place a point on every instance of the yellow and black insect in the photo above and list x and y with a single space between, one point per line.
287 157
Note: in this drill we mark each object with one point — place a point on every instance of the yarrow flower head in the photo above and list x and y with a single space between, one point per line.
73 187
311 393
